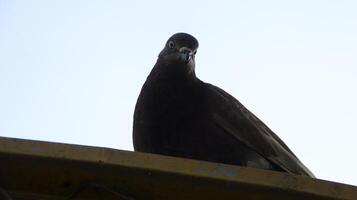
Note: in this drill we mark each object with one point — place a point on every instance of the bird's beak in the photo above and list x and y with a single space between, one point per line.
186 54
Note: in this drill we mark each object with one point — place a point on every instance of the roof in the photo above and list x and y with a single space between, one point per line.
45 170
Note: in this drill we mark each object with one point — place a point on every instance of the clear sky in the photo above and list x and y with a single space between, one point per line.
70 71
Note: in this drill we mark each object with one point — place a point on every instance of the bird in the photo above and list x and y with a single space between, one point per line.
177 114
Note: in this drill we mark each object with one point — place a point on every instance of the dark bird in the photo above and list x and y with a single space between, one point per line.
177 114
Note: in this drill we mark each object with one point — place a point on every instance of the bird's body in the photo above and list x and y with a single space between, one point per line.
179 115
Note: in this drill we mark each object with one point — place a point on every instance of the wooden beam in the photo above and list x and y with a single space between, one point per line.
45 170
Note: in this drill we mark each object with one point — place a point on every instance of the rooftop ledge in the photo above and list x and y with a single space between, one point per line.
39 170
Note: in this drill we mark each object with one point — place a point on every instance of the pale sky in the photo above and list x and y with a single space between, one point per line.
71 71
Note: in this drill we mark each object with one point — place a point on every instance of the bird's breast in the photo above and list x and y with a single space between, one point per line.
166 115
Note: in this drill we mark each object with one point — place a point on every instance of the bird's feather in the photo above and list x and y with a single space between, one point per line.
234 119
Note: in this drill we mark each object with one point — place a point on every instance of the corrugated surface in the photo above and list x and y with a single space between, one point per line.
44 170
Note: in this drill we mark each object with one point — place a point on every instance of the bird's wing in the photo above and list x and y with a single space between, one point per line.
234 119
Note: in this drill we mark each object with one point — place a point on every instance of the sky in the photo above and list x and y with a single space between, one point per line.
71 71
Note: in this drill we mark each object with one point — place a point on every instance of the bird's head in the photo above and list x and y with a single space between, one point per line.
180 49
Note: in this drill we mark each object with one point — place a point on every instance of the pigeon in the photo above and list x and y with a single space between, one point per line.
179 115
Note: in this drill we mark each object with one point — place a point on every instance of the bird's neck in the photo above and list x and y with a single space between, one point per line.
176 73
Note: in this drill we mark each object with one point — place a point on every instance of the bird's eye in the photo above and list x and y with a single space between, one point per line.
194 53
171 44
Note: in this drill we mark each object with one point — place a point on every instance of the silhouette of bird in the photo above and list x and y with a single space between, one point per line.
177 114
